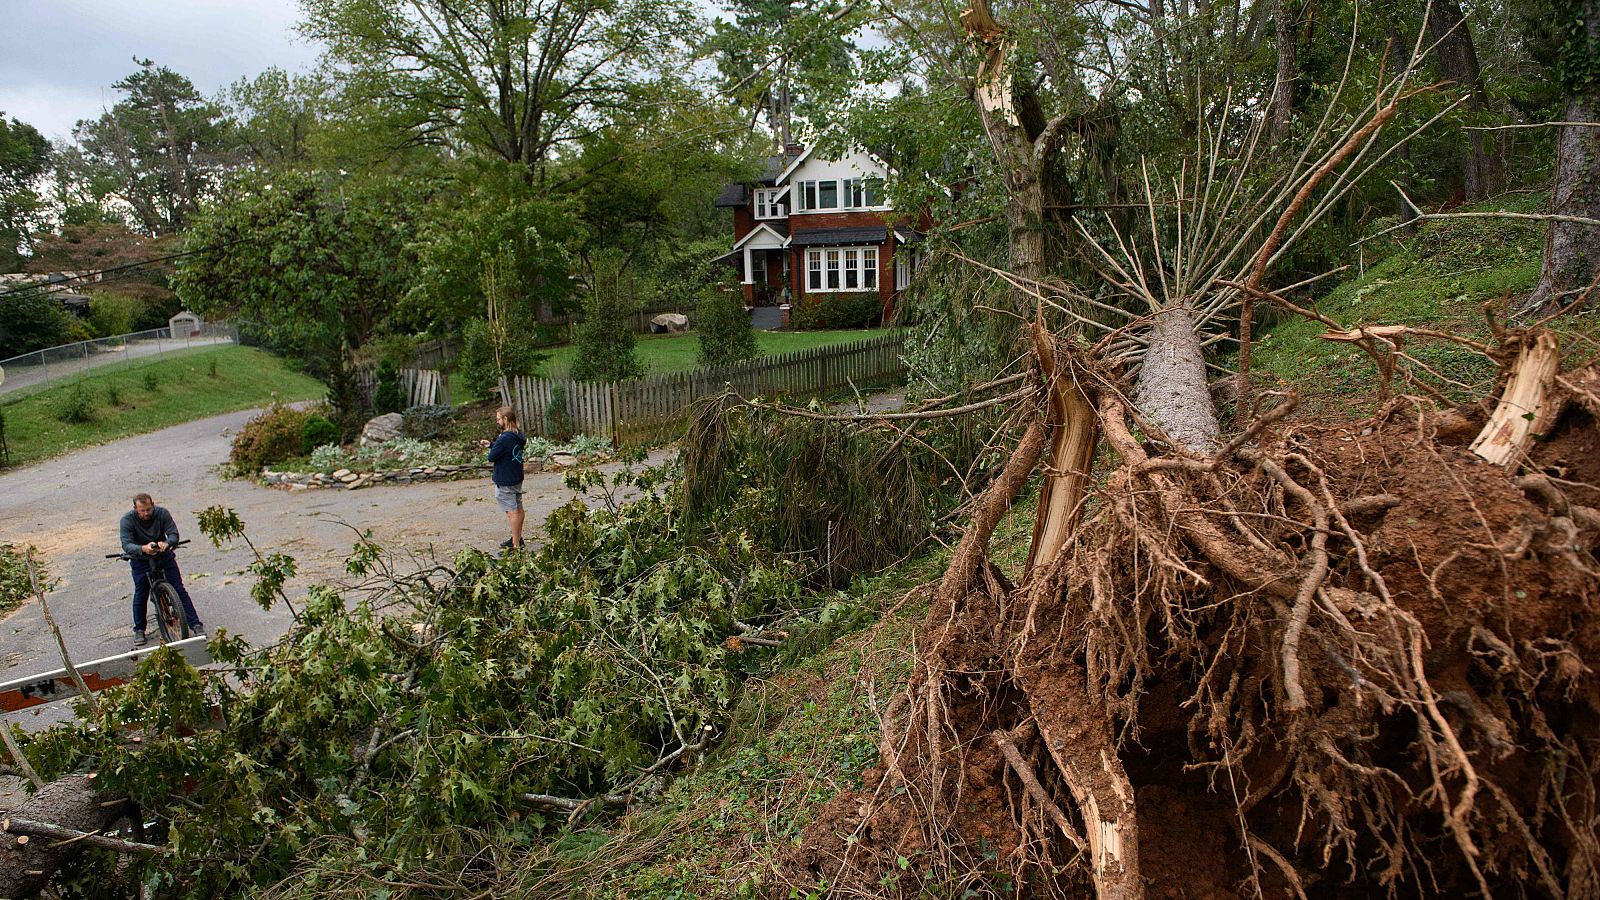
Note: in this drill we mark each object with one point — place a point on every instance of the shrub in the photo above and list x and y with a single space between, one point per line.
328 457
32 320
271 437
76 405
605 344
476 364
316 431
113 394
151 380
725 333
112 314
852 310
428 423
386 396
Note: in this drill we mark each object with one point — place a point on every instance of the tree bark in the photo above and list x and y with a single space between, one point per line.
1571 249
1458 60
1173 391
1288 66
26 865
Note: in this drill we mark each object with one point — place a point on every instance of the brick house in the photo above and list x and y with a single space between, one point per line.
810 228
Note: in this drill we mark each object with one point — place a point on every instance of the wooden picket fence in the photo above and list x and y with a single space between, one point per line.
651 408
419 387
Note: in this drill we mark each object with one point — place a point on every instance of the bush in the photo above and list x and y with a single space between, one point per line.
113 394
605 344
32 320
76 406
428 423
112 314
316 431
852 310
386 396
271 437
725 333
476 364
151 380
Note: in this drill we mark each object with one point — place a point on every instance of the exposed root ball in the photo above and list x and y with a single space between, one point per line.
1357 661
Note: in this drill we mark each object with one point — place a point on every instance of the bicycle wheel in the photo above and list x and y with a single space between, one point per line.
170 620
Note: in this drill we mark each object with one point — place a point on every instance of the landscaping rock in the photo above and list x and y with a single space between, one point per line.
382 428
340 473
563 460
672 322
349 477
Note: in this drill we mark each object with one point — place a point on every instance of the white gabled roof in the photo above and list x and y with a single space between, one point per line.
782 240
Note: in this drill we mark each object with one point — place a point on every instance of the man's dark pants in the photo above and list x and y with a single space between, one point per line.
141 587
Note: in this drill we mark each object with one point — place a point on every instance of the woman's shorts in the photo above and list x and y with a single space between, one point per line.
509 496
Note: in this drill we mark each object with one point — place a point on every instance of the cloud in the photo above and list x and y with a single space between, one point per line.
64 55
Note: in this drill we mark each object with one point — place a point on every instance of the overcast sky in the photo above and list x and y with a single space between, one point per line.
61 56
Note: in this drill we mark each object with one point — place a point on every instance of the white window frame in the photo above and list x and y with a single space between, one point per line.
829 270
767 205
904 265
758 264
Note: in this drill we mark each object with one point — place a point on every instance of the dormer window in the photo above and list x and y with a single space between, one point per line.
767 205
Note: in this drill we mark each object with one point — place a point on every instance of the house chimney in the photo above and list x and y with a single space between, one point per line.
793 150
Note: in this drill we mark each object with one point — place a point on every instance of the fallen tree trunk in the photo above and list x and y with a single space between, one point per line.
71 803
1173 391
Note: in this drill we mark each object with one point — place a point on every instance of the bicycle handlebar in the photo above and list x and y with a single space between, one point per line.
170 548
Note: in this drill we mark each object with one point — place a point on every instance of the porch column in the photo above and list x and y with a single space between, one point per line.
749 265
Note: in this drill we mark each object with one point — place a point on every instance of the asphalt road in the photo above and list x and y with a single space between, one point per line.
69 508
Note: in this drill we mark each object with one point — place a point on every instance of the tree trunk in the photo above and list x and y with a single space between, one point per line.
1458 60
1288 65
1172 390
27 865
1572 249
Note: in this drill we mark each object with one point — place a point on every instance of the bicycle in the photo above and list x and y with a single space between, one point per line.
170 619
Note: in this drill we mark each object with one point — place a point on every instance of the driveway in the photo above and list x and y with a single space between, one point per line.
69 508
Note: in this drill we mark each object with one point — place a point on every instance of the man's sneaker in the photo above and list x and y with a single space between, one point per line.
505 544
139 640
197 630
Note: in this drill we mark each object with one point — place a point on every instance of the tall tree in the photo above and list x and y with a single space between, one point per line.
274 115
1572 249
1458 61
778 58
512 79
24 158
159 150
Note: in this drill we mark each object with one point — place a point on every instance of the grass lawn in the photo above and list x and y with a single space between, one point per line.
664 353
148 396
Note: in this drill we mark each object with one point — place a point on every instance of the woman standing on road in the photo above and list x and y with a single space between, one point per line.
506 454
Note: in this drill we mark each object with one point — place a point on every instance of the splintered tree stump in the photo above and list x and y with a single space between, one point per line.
1528 407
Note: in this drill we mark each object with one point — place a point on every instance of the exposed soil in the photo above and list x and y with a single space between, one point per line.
1452 727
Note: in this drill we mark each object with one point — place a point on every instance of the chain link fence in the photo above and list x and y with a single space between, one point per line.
41 367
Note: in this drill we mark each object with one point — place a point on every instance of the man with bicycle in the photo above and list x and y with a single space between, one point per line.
148 536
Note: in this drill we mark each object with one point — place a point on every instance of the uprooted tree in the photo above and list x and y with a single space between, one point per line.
1306 660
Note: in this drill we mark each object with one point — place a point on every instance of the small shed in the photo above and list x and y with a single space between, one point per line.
184 324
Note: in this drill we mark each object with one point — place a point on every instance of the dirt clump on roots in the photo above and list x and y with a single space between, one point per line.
1349 660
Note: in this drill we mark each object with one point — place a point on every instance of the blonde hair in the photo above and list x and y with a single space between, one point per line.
509 416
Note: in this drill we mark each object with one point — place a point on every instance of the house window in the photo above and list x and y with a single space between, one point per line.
758 267
827 195
808 195
842 269
767 205
855 193
874 191
903 265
